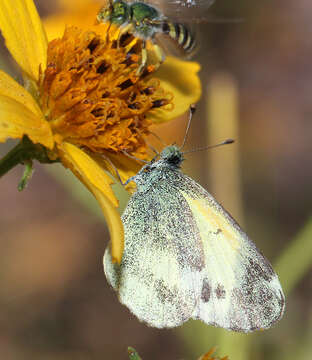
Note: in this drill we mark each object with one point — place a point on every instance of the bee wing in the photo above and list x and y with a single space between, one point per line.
240 290
159 276
185 11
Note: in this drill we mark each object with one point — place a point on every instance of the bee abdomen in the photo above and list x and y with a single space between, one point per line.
181 34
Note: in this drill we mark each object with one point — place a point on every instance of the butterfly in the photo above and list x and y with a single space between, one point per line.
186 258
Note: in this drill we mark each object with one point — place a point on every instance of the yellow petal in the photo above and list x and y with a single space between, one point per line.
24 35
72 5
16 121
20 114
81 17
90 170
10 88
99 183
125 166
181 79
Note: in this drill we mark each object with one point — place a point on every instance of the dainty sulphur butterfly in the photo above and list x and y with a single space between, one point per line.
186 257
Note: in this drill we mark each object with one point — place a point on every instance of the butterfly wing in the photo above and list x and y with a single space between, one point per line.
159 276
240 290
185 257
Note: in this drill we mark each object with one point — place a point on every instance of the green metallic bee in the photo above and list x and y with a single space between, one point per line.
145 21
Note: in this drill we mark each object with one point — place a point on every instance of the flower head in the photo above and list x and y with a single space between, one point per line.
91 95
83 102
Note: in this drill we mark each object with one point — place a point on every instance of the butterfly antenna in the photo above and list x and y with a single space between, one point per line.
225 142
149 145
134 157
114 167
158 138
191 113
153 149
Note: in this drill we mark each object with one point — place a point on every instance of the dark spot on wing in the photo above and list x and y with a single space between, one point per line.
218 231
267 311
163 293
220 292
241 316
174 298
255 304
206 291
264 295
254 270
234 327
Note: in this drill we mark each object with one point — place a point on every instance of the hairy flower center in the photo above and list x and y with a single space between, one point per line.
92 95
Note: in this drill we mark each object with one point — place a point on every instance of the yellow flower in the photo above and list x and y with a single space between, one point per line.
209 355
82 102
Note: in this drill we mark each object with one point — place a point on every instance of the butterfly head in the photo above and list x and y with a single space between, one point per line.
169 160
172 156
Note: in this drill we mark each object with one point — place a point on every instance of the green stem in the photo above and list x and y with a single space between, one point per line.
16 156
23 153
296 259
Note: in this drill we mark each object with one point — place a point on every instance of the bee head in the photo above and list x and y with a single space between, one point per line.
116 12
120 12
105 14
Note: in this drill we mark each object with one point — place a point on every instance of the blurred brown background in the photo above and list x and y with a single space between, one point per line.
55 301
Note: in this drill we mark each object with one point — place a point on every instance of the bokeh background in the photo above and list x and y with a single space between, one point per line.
257 88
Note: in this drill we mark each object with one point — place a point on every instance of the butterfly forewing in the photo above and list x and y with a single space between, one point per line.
240 291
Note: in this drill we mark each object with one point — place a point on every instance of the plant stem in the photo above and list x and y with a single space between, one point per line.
23 153
14 157
296 259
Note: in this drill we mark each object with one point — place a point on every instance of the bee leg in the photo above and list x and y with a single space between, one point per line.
124 30
107 33
143 59
159 54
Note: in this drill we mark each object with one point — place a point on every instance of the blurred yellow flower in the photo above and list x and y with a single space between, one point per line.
210 355
82 101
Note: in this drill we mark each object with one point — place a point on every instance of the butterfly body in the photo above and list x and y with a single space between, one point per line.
185 257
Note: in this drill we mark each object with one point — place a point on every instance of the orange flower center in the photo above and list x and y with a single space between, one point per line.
92 94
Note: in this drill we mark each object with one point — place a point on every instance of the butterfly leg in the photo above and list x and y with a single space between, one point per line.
116 171
111 165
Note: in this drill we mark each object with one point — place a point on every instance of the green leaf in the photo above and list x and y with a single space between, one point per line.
26 175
